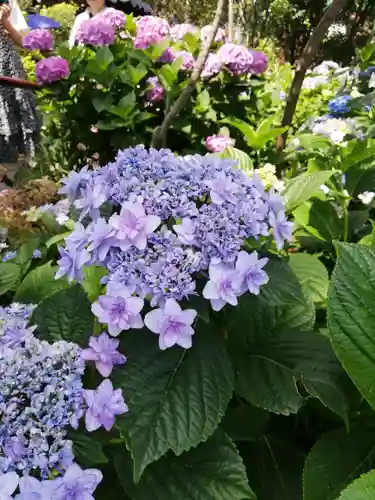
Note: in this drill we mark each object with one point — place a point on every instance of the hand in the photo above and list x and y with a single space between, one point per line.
5 11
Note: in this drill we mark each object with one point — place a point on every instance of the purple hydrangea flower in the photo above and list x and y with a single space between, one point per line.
134 226
71 262
172 324
103 350
77 484
218 143
168 56
260 62
96 31
52 69
39 39
103 404
222 189
8 485
237 58
223 287
119 310
32 488
102 238
74 183
156 93
282 229
93 197
186 231
212 66
250 271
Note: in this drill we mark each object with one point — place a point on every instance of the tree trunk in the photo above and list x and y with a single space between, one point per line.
159 137
304 62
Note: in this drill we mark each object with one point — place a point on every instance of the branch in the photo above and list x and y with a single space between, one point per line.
304 62
17 82
159 137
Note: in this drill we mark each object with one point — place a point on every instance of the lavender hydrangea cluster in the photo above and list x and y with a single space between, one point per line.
52 69
96 32
239 60
176 222
39 39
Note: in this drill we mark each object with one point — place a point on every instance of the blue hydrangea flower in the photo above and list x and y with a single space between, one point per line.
9 256
339 106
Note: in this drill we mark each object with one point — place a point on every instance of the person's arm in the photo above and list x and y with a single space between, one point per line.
14 34
14 23
73 32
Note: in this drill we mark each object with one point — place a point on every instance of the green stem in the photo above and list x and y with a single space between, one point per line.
346 222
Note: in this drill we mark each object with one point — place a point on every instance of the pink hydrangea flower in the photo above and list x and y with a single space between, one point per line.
39 39
178 31
188 60
52 69
206 31
150 30
116 18
218 143
96 31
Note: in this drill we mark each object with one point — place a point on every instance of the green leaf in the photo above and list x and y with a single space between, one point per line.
362 489
57 238
274 468
351 315
91 281
137 73
212 471
104 57
320 219
102 102
87 450
199 382
269 357
9 277
303 187
39 284
66 315
244 161
336 460
203 101
312 275
245 423
283 287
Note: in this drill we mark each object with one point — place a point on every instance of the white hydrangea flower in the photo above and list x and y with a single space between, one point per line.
335 129
371 83
366 197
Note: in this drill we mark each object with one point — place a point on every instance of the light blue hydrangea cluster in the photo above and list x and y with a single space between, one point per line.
175 222
41 396
14 324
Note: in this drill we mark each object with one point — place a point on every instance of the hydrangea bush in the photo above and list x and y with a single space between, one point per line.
124 74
